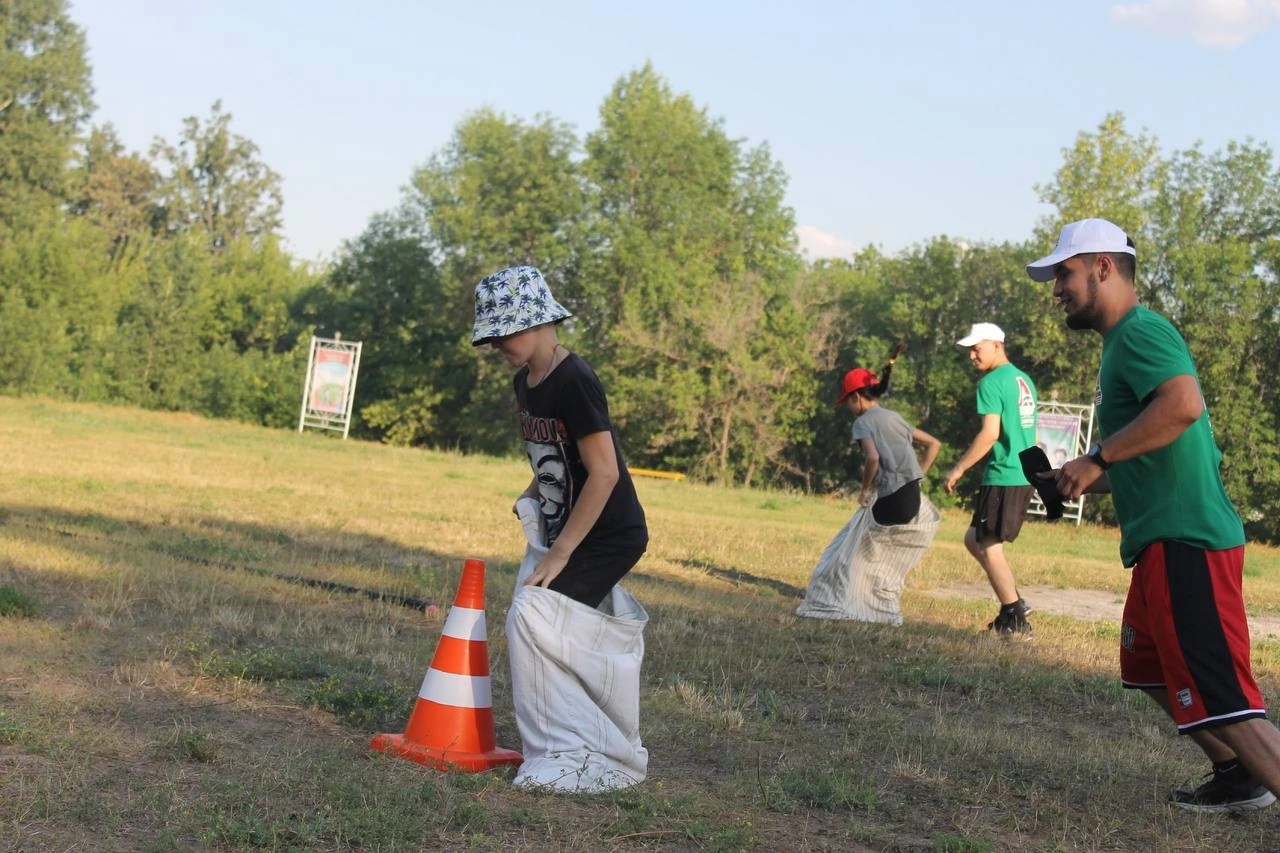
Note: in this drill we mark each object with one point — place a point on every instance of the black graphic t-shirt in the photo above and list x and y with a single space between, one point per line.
566 406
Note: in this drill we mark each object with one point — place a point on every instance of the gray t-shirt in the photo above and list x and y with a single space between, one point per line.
892 437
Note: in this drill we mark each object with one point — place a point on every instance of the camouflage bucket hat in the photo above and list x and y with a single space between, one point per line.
513 300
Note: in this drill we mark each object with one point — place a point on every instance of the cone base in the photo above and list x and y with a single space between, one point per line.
445 759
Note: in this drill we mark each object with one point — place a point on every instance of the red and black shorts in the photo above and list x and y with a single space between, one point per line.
1185 630
999 511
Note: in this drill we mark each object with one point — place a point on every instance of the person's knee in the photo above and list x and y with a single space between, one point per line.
978 546
971 541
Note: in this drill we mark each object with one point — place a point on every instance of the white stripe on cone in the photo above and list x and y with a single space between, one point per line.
465 623
460 691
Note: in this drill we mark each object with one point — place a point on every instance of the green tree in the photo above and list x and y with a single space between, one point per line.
928 295
1206 226
45 96
385 291
212 332
214 182
663 176
846 297
1110 173
158 344
694 254
502 192
1210 266
116 191
740 371
57 307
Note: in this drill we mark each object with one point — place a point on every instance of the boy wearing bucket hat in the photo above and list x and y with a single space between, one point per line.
575 636
1007 406
594 524
1184 638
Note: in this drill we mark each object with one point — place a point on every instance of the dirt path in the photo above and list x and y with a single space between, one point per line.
1086 604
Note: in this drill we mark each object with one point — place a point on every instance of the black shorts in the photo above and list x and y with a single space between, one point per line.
999 511
588 577
901 507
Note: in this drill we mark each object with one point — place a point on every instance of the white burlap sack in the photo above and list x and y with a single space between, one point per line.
861 573
575 682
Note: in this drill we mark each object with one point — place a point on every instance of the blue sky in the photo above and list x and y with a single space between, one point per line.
895 121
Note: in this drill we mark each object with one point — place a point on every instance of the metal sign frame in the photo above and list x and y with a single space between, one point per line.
1065 431
332 367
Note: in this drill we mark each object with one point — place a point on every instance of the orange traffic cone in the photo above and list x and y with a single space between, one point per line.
451 726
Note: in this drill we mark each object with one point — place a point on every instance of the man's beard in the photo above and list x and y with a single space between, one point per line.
1085 317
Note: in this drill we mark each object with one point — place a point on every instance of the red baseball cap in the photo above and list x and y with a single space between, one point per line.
856 380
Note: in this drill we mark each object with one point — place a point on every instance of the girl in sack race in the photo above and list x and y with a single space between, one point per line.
575 638
860 575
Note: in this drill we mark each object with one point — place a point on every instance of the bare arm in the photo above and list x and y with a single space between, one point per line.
931 447
869 471
601 463
978 448
1175 405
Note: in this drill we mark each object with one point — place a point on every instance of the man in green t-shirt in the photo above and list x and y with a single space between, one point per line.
1184 639
1007 406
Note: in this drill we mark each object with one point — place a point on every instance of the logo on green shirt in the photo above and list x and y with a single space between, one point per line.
1026 403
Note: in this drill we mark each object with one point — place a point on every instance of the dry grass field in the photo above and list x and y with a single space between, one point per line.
194 655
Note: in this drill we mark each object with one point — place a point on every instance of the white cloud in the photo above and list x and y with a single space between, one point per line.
1213 23
816 243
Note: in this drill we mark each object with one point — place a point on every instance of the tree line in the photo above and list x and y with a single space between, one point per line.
158 280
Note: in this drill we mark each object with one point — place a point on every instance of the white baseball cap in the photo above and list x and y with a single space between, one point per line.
981 332
1086 237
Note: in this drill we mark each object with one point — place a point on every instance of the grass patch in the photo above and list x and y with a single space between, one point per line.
14 602
363 702
214 549
152 699
267 663
830 787
194 745
11 729
947 843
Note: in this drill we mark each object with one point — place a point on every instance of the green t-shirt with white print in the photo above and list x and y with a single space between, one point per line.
1008 392
1174 493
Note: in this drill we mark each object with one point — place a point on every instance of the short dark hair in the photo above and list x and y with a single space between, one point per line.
1125 262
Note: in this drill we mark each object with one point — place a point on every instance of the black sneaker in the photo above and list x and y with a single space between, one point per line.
1232 791
1012 621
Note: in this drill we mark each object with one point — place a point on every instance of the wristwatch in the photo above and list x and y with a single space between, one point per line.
1095 453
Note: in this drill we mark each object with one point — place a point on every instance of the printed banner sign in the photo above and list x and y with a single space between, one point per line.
1059 436
330 387
1063 430
330 378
